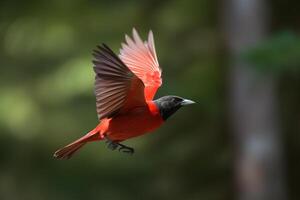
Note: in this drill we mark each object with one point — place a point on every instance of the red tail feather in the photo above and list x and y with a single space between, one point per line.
68 151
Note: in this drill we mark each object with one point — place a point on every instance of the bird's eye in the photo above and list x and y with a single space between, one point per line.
176 100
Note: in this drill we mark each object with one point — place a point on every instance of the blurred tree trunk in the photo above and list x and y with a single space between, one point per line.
253 106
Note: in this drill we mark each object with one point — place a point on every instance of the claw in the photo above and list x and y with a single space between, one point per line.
113 145
120 149
125 149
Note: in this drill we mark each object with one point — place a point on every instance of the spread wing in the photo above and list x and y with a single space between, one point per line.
141 59
116 87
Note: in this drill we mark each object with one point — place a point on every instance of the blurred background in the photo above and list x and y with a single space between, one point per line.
239 59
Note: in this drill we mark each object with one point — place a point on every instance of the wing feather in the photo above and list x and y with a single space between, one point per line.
114 84
141 59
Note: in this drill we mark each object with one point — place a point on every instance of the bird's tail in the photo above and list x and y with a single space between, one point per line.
68 151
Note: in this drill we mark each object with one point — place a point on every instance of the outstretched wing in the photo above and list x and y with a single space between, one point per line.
141 59
116 87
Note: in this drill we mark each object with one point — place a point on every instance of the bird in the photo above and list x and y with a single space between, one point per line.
125 86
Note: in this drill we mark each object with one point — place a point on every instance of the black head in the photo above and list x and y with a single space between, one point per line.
168 105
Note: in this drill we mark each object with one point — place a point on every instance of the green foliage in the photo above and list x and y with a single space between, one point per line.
279 53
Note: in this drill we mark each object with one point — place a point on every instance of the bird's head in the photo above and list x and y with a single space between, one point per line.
168 105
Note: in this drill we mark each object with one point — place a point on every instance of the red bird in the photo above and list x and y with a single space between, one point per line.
124 87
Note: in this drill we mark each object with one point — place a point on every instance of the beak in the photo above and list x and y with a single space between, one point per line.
187 102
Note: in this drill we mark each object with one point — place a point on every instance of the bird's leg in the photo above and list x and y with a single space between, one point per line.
126 149
113 145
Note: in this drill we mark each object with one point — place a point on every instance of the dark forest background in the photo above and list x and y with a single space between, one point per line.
239 60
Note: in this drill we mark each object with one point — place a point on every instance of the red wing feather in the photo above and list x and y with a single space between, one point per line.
141 59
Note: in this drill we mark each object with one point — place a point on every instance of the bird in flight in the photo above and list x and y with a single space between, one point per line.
125 86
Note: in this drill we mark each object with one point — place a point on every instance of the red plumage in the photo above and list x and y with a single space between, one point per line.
124 87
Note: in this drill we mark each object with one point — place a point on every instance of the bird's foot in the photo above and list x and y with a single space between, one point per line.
113 145
126 149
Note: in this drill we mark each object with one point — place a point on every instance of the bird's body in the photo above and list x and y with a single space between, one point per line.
136 122
125 86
